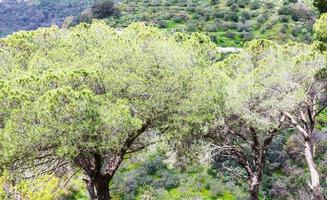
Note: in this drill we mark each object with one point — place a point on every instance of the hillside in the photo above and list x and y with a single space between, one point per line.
227 22
28 15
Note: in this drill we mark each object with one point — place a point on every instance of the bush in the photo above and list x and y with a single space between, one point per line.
231 16
254 14
246 15
181 17
220 14
284 29
283 18
162 24
262 18
214 2
234 8
269 5
243 3
243 27
284 10
211 27
104 8
255 5
85 16
247 36
230 2
230 34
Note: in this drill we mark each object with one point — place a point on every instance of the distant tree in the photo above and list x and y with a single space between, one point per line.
86 97
263 83
321 5
104 8
85 16
255 5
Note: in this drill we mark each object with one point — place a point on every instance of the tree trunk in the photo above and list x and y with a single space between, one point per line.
315 184
98 188
90 189
101 184
254 188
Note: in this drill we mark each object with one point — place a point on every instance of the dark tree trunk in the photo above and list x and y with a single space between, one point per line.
90 189
100 168
254 194
101 184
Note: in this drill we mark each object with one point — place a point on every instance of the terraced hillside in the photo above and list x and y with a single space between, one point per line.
228 22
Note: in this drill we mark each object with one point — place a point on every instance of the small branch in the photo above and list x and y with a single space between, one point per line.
240 175
319 111
296 124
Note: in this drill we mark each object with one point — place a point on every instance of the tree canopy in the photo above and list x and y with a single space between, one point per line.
85 96
321 5
262 83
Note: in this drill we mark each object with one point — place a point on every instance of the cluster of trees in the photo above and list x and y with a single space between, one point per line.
89 97
99 10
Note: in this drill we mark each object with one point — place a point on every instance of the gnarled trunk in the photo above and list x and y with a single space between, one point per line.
90 189
101 185
98 187
254 186
315 184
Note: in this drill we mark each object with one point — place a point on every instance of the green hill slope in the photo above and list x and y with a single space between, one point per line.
228 22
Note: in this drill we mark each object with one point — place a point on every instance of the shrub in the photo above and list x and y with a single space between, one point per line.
231 16
220 14
211 27
181 17
85 16
162 24
232 25
246 15
244 27
284 29
262 18
230 2
155 3
269 5
283 18
230 34
247 36
191 27
255 5
234 7
284 10
254 14
104 8
214 2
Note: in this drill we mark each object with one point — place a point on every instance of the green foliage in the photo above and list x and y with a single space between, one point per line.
320 28
215 18
321 5
194 182
90 89
267 79
104 8
45 187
